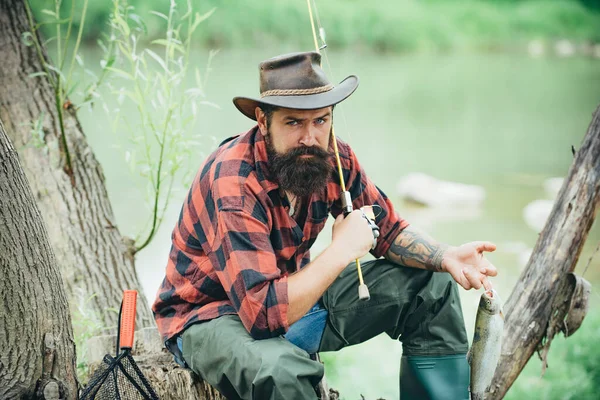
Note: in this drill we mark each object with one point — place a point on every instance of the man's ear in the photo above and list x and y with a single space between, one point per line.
261 119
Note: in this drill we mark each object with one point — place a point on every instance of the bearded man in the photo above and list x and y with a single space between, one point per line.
243 305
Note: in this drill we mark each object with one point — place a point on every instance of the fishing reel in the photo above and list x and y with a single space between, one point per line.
369 213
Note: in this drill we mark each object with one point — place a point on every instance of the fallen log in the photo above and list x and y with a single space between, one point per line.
536 309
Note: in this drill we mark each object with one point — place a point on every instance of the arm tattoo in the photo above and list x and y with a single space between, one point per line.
414 249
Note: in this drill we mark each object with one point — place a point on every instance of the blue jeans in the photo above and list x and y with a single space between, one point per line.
305 333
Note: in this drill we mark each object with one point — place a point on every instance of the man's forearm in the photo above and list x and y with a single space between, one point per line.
306 286
416 249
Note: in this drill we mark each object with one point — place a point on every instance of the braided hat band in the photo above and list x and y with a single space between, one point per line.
296 92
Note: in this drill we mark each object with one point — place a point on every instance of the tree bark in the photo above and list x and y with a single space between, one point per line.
36 337
93 256
533 302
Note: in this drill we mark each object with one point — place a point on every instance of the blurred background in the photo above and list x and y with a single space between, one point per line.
489 94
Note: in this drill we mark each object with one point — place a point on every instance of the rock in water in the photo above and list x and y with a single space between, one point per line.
487 341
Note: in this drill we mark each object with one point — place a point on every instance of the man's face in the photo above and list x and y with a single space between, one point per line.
290 128
298 147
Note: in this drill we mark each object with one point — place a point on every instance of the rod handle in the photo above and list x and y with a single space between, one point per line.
363 292
128 319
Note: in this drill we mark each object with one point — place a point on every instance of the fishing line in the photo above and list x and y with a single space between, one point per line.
595 292
335 148
590 260
322 34
363 291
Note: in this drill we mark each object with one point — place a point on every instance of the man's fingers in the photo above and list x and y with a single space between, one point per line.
465 284
486 283
484 246
489 270
473 279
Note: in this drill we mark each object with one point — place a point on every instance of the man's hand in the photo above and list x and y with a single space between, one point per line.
352 235
468 266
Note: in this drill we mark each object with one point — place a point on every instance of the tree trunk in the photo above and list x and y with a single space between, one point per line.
93 256
38 352
537 297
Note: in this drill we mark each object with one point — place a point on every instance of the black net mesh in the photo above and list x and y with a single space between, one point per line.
118 379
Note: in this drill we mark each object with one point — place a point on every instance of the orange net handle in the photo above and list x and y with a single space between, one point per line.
128 319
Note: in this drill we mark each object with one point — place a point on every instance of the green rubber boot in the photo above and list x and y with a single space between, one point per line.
434 378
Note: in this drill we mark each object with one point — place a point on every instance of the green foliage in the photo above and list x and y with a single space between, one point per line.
573 367
153 81
85 326
142 73
394 25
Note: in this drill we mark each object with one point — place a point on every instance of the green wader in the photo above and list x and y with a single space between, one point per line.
419 307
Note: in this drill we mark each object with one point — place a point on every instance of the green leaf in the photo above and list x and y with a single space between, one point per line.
124 27
107 63
79 60
169 44
121 72
37 74
163 16
48 41
140 22
199 18
101 45
125 51
158 59
27 39
50 13
53 68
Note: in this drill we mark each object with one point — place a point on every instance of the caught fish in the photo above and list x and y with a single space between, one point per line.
487 340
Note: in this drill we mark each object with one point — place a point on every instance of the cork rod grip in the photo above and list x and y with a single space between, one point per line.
128 319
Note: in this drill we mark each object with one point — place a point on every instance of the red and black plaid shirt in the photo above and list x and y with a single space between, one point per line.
235 244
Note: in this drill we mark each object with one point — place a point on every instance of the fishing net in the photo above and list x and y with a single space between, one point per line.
119 378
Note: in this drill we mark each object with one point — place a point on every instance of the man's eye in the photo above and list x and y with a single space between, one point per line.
292 123
320 121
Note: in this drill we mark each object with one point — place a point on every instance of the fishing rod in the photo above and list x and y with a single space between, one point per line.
363 290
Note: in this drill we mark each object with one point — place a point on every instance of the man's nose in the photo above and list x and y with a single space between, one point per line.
309 137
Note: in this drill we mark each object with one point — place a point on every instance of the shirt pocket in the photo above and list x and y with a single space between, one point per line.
317 218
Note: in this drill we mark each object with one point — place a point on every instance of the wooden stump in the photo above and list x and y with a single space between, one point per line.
169 380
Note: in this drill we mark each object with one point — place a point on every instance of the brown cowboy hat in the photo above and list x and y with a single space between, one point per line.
297 81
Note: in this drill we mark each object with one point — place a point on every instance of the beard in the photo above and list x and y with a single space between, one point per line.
298 175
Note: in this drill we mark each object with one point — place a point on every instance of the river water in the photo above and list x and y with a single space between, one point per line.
503 122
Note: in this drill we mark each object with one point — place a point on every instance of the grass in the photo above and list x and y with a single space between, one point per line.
573 367
85 326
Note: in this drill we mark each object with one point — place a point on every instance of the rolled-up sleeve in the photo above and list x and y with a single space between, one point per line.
247 268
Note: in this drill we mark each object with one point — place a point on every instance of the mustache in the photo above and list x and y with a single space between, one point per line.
308 151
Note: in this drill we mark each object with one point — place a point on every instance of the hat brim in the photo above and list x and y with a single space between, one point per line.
339 93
